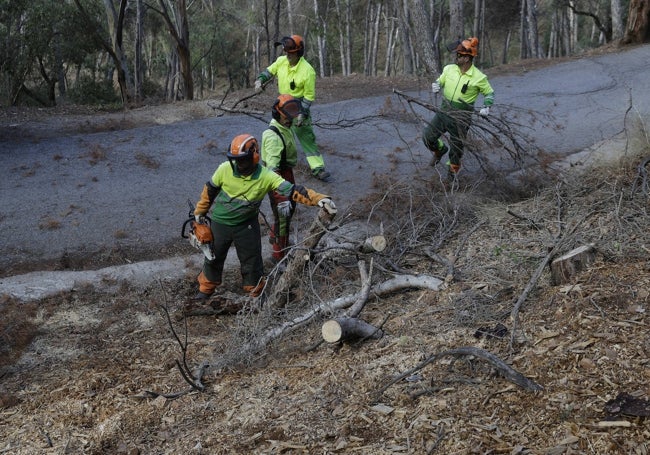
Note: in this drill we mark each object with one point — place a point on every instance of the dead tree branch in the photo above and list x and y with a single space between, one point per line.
366 281
503 368
395 284
190 378
278 294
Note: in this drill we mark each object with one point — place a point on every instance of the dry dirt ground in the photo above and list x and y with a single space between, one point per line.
95 373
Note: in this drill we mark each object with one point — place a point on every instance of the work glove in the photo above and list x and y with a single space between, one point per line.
485 111
327 204
435 87
200 219
299 120
258 85
284 209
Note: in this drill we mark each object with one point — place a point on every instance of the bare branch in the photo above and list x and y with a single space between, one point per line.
506 370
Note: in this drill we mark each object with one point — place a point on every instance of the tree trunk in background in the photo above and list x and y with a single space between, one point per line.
375 40
138 71
321 27
115 30
569 23
391 35
422 34
456 20
60 71
638 18
529 33
289 15
478 30
180 32
407 46
371 42
344 18
617 20
506 47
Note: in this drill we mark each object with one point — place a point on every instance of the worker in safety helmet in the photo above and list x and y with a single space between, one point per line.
296 77
280 154
461 84
235 192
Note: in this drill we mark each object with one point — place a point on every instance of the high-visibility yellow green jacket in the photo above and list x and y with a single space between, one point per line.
462 89
298 81
279 152
236 198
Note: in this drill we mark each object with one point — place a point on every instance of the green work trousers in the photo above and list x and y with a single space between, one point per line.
247 240
454 121
305 135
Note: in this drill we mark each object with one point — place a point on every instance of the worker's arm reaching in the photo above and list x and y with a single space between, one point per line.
308 196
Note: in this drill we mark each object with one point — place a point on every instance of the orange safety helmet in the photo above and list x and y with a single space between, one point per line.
467 46
286 108
244 147
292 44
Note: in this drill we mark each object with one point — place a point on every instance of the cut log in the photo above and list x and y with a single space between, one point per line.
566 266
346 329
336 247
376 243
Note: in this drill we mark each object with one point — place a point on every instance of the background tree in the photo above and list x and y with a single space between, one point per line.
175 16
111 41
637 30
162 48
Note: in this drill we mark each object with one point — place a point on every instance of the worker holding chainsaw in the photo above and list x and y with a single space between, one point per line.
296 77
234 194
461 84
280 154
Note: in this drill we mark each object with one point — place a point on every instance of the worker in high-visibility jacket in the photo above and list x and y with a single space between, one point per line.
235 192
461 84
296 77
280 154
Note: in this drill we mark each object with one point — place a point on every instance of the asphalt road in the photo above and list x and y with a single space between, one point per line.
122 195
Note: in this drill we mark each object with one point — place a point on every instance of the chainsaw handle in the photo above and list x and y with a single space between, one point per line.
188 221
184 226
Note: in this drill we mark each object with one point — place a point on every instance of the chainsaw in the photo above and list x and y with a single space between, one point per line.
199 235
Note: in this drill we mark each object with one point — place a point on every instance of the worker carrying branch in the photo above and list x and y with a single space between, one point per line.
461 84
234 194
296 77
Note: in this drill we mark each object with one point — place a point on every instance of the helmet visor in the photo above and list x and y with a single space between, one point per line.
288 45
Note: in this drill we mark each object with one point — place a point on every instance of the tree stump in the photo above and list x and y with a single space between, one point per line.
346 329
566 266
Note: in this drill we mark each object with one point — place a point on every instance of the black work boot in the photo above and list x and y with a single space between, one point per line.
201 296
322 174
